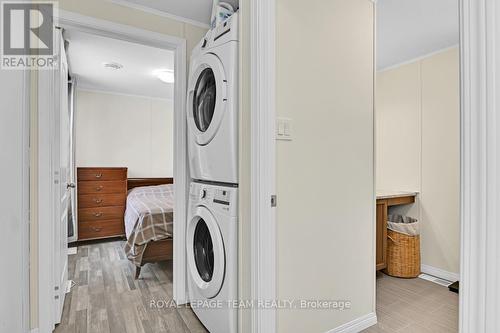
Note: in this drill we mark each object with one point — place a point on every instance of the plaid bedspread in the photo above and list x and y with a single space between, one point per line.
148 217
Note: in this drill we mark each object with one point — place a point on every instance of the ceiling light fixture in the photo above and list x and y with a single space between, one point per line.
113 65
165 75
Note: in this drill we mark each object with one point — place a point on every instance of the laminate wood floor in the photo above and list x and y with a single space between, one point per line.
106 298
414 305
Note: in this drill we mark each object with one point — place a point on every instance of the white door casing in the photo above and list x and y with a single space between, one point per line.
263 157
61 156
480 160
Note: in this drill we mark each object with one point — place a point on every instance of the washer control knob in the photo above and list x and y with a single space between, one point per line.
203 193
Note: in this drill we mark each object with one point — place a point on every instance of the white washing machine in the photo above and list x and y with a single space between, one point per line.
212 255
212 105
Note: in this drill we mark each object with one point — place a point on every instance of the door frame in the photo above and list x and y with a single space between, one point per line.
22 252
46 82
263 242
480 153
74 21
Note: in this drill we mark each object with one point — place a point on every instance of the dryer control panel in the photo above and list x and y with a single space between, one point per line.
220 198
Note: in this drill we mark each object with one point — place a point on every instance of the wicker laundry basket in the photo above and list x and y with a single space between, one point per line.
403 255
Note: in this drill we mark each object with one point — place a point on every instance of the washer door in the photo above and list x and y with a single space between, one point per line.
205 253
206 98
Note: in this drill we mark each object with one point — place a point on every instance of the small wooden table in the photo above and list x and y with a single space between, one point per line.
384 201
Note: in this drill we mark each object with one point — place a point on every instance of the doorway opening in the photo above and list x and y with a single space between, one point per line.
417 126
127 91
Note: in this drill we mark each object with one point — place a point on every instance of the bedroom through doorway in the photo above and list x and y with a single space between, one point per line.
127 177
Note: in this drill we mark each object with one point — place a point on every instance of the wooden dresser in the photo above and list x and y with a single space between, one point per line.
102 195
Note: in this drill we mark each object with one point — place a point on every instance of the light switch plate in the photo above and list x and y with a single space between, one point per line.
284 130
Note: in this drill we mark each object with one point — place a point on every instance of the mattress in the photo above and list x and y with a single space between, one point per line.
148 217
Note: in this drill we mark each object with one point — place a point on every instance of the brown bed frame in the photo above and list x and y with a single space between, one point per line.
157 250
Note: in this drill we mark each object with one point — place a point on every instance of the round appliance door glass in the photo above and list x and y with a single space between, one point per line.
206 98
205 93
205 253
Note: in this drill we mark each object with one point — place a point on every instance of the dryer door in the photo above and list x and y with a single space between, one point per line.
205 253
206 98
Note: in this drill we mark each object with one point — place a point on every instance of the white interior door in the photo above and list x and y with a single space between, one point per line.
61 156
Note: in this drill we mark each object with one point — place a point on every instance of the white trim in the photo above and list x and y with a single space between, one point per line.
480 155
45 196
440 273
34 330
110 29
181 175
412 60
74 199
263 143
356 325
70 20
161 13
25 206
479 291
374 161
109 92
25 294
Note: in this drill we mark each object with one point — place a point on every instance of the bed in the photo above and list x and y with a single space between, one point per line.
149 221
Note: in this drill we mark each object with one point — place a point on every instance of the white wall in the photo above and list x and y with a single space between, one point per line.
13 202
115 130
418 149
325 175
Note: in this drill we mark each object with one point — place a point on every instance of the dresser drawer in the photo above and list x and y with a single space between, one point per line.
101 229
92 187
100 214
88 174
100 200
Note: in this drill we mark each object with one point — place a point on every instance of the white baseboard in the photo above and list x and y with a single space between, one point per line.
440 273
34 330
356 325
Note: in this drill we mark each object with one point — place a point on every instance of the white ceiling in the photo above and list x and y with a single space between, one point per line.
87 53
193 11
408 29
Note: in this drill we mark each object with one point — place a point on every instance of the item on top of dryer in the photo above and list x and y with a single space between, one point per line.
233 5
213 19
212 105
212 255
224 11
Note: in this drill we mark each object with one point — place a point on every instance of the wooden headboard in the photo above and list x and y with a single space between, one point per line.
137 182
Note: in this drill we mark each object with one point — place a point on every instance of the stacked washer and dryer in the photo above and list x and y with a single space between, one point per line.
212 230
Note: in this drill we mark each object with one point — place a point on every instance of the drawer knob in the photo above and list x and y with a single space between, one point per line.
99 175
96 229
97 201
98 214
98 188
